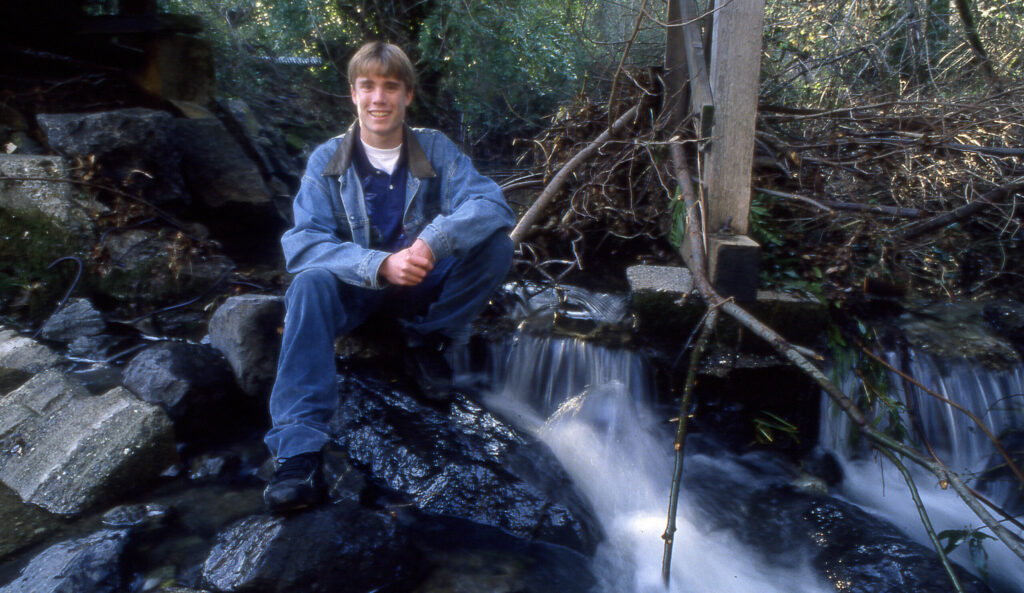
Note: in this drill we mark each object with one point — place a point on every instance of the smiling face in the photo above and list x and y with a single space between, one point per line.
381 101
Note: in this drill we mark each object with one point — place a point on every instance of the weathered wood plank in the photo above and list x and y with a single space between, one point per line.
734 74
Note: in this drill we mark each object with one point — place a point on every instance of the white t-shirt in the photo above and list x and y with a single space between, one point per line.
385 159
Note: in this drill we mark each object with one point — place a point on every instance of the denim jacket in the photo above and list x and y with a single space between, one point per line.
448 204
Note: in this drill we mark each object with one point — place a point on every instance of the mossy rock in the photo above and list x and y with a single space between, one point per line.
31 243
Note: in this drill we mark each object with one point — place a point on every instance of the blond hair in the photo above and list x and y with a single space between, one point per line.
383 59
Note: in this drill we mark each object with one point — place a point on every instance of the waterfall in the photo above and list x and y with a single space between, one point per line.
594 407
993 395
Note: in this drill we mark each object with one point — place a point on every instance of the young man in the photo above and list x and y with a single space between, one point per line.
388 220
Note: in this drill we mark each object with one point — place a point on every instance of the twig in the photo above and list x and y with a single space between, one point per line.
925 521
680 443
832 205
977 421
622 62
67 294
544 200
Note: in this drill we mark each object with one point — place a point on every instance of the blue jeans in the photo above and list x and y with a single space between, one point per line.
319 307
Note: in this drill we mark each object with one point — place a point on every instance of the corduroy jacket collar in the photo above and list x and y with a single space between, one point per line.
419 164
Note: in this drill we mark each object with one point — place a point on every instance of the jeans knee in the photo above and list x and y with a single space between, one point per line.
309 282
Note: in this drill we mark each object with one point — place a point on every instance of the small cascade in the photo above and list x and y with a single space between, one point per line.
594 407
994 395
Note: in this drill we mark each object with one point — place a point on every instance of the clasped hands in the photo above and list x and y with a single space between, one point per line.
409 266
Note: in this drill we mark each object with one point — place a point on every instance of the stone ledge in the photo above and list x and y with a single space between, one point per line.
662 297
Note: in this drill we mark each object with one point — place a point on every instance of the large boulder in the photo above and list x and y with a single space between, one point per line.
215 168
65 449
246 330
462 462
338 548
90 564
191 382
46 191
134 148
231 196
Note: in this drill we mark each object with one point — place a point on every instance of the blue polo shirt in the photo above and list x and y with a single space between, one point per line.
385 200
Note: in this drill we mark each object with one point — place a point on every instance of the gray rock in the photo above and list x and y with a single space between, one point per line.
338 548
77 319
192 382
216 169
66 450
264 141
134 148
54 199
461 462
90 564
21 353
245 330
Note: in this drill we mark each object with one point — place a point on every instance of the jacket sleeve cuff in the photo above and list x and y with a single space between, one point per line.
437 242
370 269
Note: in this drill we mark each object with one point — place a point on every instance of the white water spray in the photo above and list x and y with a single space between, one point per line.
592 406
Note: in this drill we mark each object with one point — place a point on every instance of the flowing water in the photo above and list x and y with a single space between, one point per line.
593 406
994 396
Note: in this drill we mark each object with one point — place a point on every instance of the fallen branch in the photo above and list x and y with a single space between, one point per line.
551 190
942 220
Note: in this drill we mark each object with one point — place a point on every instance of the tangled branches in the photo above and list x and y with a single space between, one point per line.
925 157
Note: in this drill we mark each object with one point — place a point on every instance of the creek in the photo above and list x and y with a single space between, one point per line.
596 408
751 520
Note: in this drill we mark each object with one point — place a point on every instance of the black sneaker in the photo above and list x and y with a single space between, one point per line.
297 483
427 365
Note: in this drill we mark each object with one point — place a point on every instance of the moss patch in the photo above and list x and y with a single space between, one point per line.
30 243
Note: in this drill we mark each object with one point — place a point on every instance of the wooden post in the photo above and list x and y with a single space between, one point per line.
735 71
733 257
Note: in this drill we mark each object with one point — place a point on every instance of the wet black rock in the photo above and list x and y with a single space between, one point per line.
855 550
1007 318
338 548
78 319
91 564
245 330
192 382
133 147
472 558
462 462
863 554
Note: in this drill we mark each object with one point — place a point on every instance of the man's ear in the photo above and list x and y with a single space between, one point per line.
408 97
